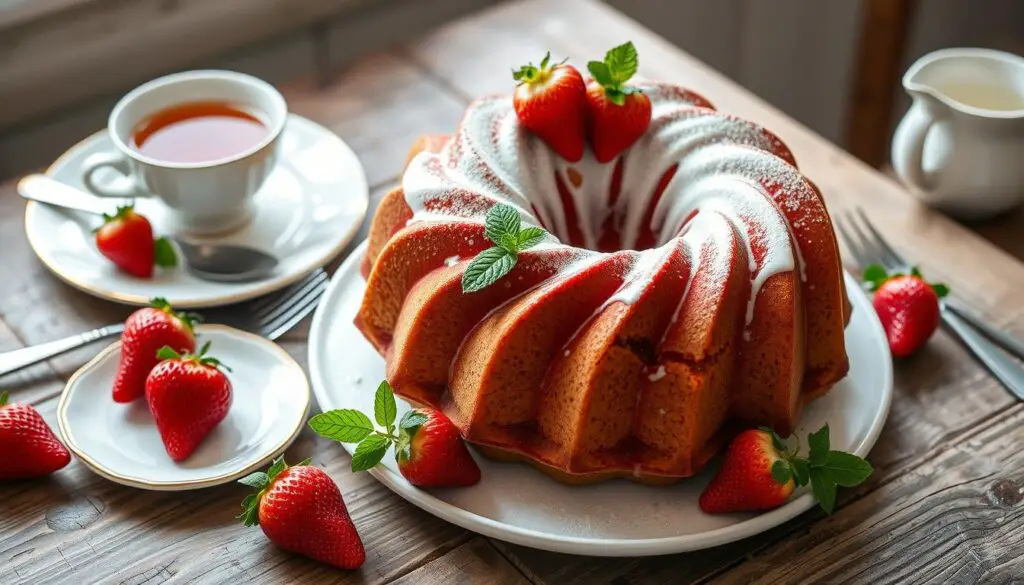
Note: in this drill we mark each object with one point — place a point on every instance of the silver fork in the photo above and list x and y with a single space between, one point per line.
271 316
869 247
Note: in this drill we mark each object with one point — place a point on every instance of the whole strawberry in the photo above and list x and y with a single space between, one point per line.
428 448
126 239
188 396
907 306
618 114
29 447
551 101
301 510
759 472
145 332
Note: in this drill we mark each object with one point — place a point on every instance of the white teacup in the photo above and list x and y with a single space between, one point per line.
204 197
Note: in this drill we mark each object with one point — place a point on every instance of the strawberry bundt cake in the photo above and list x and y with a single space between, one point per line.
691 284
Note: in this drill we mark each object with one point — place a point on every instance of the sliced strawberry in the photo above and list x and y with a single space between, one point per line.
301 510
550 101
907 306
619 114
29 447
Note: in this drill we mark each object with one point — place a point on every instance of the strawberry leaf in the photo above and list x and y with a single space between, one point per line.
846 469
530 237
801 471
915 271
255 480
4 397
164 253
874 276
622 62
781 472
487 268
384 408
501 219
403 448
940 289
369 452
824 489
167 353
342 425
777 442
276 468
602 74
412 421
250 515
819 444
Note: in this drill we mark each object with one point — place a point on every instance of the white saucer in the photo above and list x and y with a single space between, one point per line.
516 503
120 441
309 208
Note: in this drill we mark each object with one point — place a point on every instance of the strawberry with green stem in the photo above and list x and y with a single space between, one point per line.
126 239
428 448
907 306
146 331
619 114
503 226
760 472
550 100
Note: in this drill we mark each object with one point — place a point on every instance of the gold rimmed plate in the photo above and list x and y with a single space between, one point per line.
271 400
307 211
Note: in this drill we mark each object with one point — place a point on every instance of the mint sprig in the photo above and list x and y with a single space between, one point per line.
619 66
823 468
503 226
349 425
875 276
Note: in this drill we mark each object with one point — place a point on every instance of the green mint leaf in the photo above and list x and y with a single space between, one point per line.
412 420
819 444
255 480
846 469
384 408
941 290
824 489
623 62
164 254
601 73
344 426
781 472
486 268
501 219
801 471
530 237
509 242
874 276
276 468
369 452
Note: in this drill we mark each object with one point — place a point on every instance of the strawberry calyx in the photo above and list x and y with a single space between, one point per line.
200 358
123 212
188 320
875 276
261 482
4 397
823 468
619 65
531 74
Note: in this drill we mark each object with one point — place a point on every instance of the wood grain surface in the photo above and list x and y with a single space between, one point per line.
944 505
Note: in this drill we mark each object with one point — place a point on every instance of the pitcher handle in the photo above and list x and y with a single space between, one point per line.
908 147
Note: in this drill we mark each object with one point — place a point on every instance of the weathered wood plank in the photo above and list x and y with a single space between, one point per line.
473 563
76 527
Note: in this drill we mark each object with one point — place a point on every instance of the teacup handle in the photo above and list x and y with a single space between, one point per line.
124 188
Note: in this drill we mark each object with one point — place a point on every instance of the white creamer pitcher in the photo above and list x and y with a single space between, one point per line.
961 144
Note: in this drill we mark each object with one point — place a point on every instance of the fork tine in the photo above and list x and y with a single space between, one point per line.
275 298
287 321
874 251
852 244
274 313
887 250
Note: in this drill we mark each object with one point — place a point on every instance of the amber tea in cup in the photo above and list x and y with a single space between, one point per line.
198 132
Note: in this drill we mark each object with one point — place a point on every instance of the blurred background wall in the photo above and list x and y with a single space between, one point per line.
832 64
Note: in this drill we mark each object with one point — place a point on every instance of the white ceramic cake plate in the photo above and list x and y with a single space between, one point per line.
308 209
270 401
515 503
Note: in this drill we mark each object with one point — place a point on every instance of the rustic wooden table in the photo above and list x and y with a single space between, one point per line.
943 505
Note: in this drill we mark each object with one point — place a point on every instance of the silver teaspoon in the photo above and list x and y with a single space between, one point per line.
208 261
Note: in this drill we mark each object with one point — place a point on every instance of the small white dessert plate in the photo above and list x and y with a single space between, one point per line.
518 504
270 402
308 209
